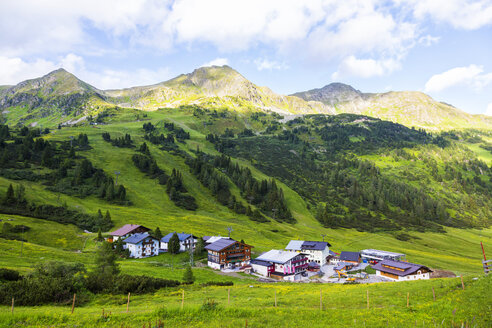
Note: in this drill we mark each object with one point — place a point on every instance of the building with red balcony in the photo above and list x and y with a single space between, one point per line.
281 265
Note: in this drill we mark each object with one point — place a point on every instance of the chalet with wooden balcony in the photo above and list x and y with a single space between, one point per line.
281 265
401 271
226 253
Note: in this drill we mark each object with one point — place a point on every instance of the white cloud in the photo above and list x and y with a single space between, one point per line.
489 110
265 64
463 14
471 76
323 29
365 68
428 40
217 62
14 70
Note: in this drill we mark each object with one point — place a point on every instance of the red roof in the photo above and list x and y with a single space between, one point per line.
126 229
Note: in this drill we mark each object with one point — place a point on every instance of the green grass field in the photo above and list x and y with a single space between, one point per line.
253 305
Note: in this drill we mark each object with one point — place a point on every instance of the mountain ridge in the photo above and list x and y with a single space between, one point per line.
67 98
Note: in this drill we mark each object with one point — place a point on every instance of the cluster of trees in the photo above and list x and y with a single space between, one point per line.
354 193
13 232
56 282
14 202
217 183
177 192
175 187
167 142
147 164
83 179
263 194
179 133
71 174
122 142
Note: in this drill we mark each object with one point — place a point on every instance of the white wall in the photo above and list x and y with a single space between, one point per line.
214 265
411 277
260 269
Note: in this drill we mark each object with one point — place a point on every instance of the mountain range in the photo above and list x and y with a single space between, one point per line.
60 97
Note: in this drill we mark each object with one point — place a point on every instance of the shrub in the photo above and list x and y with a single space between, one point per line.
217 283
141 284
9 275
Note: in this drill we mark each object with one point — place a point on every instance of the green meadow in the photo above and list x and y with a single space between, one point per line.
253 305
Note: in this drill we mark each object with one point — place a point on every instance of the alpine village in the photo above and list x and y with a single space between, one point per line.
207 200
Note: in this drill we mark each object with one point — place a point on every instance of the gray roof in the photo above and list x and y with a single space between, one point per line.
220 244
349 256
299 245
408 268
277 256
182 236
294 245
213 239
261 262
315 245
138 237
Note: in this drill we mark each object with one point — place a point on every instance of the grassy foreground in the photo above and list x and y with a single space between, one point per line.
297 305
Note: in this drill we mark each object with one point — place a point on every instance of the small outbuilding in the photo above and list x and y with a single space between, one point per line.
401 271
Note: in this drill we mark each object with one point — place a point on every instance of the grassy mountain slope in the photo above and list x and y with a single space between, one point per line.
212 87
409 108
152 207
60 97
55 98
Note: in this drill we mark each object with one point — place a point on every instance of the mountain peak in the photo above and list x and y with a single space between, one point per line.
213 81
332 94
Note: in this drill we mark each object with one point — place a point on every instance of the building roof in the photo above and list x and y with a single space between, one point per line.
349 256
379 253
314 265
315 245
261 262
138 237
299 245
126 229
213 239
277 256
407 267
342 265
333 253
294 245
182 236
220 244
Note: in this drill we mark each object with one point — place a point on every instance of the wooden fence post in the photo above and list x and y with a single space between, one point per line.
73 302
182 299
12 308
368 299
275 298
128 303
246 325
320 300
433 294
408 299
462 283
228 296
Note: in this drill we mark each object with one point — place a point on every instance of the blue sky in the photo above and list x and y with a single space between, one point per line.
441 47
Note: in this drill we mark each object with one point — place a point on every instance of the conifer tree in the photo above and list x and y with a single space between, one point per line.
173 245
188 277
